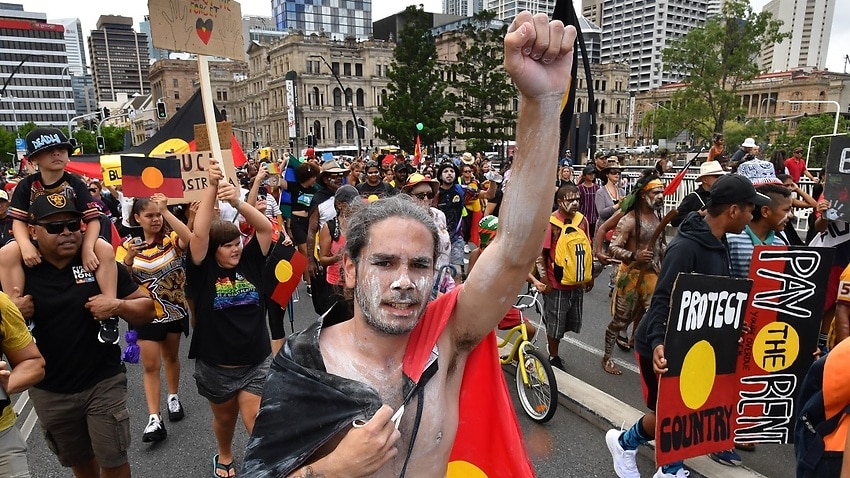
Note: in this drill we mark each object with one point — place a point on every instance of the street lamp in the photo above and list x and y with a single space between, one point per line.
767 108
350 105
67 70
14 113
837 109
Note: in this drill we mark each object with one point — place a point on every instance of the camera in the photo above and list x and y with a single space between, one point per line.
138 241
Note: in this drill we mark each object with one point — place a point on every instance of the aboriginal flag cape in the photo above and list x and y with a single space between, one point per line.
304 407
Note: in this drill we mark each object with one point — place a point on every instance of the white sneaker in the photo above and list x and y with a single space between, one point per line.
682 473
625 464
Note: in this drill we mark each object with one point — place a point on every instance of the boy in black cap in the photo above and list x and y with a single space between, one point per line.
49 149
699 247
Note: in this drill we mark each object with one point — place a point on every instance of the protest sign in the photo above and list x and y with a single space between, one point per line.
783 318
225 136
193 167
836 189
205 27
697 395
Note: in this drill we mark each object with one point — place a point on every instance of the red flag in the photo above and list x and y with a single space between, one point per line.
142 177
674 184
417 153
489 440
283 272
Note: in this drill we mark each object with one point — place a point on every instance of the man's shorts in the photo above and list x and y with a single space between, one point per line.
456 253
13 453
158 331
94 423
562 311
220 384
299 226
633 290
648 381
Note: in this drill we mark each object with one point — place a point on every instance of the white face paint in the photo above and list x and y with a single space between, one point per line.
394 276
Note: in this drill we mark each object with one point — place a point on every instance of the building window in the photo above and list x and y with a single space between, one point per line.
337 97
176 95
349 130
338 131
346 69
361 98
176 83
604 85
358 69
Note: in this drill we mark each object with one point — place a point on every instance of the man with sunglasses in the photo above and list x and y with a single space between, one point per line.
82 401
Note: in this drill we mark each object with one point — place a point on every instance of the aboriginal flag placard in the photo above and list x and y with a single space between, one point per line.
142 176
696 397
282 272
836 187
783 321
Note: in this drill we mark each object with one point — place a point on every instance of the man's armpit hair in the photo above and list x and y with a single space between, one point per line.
307 472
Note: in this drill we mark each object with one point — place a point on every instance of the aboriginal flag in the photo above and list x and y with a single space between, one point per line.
282 272
143 176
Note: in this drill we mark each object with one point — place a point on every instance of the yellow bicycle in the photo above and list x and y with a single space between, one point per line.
535 380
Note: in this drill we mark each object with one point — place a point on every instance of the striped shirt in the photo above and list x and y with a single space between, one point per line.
741 250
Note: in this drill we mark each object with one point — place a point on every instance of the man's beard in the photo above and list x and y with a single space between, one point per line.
368 297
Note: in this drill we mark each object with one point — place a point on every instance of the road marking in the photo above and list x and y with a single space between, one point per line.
29 424
598 352
21 402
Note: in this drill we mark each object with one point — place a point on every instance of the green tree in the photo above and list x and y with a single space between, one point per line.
483 93
416 90
716 59
808 127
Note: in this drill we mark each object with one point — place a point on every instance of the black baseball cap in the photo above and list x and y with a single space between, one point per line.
43 139
49 204
735 189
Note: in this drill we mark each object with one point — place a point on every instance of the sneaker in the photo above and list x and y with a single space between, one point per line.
682 473
175 410
155 431
625 464
108 333
557 363
309 290
726 457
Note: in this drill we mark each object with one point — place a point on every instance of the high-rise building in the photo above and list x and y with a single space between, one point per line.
154 54
506 10
74 46
38 89
810 23
119 58
337 19
637 31
259 29
462 8
592 10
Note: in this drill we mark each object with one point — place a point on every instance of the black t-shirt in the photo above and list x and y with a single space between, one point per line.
450 201
301 196
230 311
65 331
382 190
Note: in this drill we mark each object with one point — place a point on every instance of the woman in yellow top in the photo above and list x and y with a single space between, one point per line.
154 258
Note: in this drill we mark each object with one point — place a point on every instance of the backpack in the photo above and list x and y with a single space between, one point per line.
573 260
813 426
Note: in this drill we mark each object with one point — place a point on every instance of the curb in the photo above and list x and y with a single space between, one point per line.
606 411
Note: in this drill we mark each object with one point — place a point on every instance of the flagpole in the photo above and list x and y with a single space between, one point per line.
209 109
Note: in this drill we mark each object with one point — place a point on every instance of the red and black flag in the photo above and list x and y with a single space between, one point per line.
142 177
282 273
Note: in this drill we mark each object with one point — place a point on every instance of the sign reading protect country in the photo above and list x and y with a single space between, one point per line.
783 319
205 27
697 395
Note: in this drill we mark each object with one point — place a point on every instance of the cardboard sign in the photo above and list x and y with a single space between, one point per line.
110 165
697 395
836 189
193 167
784 319
225 136
205 27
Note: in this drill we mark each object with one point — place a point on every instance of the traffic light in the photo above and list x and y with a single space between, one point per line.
101 143
104 112
256 145
160 109
311 141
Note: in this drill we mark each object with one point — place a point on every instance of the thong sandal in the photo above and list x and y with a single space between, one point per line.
609 366
227 469
623 343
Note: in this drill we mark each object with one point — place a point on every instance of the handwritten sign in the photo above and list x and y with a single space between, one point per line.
225 136
205 27
784 319
193 167
836 189
110 165
697 396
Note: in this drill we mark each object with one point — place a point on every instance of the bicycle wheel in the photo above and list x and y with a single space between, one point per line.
539 398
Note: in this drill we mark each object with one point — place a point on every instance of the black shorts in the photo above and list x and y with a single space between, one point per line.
299 226
648 381
157 332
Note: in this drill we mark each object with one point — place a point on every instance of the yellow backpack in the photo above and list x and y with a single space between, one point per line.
573 259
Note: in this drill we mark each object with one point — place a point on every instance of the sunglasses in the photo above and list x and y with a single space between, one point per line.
94 190
421 196
373 173
58 227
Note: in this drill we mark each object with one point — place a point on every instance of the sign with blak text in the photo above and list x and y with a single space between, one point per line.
205 27
697 395
783 319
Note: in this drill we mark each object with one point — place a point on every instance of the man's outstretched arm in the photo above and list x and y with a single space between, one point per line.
538 57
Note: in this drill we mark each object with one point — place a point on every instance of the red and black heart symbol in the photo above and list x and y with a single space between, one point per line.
204 29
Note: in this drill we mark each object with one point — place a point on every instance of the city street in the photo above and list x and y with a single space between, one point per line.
568 446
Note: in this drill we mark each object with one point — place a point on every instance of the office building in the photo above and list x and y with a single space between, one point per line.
261 30
74 46
637 31
154 53
119 58
810 24
175 81
34 62
506 10
462 8
336 19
